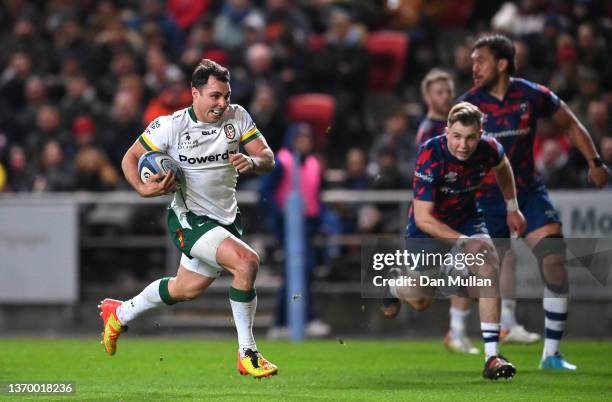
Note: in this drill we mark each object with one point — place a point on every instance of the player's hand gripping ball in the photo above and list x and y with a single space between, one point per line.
154 162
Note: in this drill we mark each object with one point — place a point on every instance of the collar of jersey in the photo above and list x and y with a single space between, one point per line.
194 118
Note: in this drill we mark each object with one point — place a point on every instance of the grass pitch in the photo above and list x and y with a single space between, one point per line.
187 369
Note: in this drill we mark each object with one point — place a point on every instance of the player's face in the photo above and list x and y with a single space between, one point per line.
440 96
485 69
212 100
462 140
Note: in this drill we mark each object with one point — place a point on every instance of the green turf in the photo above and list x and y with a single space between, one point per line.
175 369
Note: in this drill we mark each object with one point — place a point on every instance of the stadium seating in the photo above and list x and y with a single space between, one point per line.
388 50
316 109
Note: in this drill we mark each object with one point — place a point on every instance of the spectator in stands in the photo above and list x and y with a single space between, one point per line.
48 127
228 25
268 114
105 14
201 44
35 96
524 66
356 217
396 139
592 52
598 120
553 166
80 98
291 61
84 134
462 64
13 79
27 38
123 63
174 95
564 81
94 172
2 177
340 68
70 40
113 39
153 19
124 126
275 191
160 71
282 16
588 90
133 84
186 13
19 171
52 173
254 30
259 69
46 47
389 176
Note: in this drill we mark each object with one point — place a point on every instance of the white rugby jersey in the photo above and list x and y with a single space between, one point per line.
202 150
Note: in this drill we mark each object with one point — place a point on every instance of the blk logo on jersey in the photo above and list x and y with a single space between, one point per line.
207 132
230 131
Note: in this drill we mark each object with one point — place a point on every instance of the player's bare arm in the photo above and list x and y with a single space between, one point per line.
578 134
505 180
157 184
260 158
428 223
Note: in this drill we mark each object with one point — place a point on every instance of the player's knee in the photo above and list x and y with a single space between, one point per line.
550 253
554 273
555 262
487 271
420 303
550 246
247 264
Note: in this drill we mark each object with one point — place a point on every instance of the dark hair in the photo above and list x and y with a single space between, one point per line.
500 46
205 69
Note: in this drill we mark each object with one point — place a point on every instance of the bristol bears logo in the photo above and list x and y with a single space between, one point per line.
450 177
230 131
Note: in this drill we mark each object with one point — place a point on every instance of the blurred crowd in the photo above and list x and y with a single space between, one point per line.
79 80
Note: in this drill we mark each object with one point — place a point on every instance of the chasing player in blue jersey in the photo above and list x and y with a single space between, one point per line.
438 93
448 172
512 107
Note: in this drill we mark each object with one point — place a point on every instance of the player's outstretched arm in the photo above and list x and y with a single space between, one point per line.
157 184
580 137
505 180
260 157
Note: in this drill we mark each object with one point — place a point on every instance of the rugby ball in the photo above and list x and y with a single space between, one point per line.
154 162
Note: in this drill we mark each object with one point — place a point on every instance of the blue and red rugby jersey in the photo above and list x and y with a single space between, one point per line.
451 183
429 128
512 121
